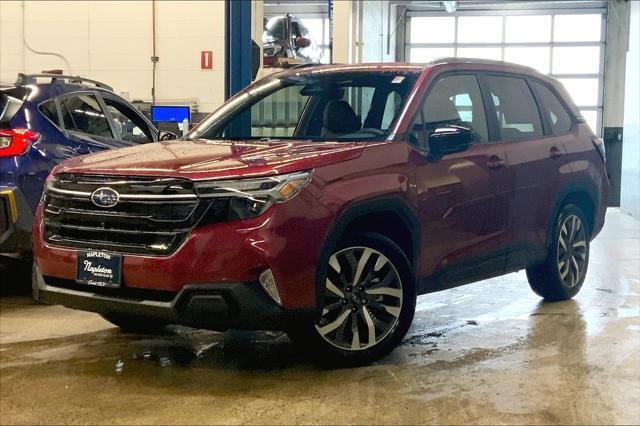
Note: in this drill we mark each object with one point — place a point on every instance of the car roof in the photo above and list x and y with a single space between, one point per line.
467 63
40 87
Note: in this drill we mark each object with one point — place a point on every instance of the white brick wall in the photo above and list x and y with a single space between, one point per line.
112 42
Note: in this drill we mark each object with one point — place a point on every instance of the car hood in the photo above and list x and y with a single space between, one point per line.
204 159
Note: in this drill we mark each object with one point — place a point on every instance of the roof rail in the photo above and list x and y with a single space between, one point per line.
304 65
31 79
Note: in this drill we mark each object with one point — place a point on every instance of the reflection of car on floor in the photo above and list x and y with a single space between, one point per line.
45 122
323 200
286 40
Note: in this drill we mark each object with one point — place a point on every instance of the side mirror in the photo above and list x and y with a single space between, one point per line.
450 139
165 135
302 42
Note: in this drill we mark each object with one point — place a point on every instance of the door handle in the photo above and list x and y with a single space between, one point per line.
496 162
555 152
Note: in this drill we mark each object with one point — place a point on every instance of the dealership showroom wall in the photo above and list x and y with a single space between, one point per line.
268 211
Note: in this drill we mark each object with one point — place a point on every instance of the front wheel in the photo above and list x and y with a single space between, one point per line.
562 274
368 302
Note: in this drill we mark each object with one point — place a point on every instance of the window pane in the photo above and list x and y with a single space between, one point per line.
556 113
576 60
327 32
83 114
583 91
480 52
480 29
534 57
516 110
130 127
592 120
577 27
49 110
526 29
456 100
432 30
426 54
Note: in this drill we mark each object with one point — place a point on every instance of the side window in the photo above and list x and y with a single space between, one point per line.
455 100
128 124
516 110
83 114
49 110
556 113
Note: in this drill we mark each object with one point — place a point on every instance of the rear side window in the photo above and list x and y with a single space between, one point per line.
9 106
83 114
516 110
556 113
49 110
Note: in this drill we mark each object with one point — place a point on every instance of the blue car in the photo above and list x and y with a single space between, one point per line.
45 119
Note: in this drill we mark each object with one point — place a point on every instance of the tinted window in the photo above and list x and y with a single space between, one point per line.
83 114
49 110
516 109
455 100
128 124
557 115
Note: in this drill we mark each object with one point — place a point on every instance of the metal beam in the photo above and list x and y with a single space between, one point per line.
237 46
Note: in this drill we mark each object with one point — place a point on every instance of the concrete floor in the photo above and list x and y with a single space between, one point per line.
489 352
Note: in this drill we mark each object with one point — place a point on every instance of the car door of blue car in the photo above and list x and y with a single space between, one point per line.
129 125
86 124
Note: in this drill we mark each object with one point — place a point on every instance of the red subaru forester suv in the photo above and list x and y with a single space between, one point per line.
323 200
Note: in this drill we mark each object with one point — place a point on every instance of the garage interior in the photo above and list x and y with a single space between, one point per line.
490 352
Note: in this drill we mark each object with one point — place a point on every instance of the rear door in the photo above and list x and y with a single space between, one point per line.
463 233
86 124
536 160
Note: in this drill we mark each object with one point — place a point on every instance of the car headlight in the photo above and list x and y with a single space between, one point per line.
252 197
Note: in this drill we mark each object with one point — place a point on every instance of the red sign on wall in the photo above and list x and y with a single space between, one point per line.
206 60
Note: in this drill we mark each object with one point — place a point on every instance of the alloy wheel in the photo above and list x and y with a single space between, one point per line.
572 251
362 299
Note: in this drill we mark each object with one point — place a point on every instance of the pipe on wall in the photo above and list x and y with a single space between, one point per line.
39 52
154 58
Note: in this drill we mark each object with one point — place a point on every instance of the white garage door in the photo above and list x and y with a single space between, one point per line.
566 44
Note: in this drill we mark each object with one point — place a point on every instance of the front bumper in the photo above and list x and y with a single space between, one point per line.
214 306
15 221
286 239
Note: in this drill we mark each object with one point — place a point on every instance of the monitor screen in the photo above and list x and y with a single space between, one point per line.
164 113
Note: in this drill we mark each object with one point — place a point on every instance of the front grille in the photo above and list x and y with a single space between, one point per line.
152 215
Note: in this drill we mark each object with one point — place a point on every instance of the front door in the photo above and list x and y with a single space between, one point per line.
460 196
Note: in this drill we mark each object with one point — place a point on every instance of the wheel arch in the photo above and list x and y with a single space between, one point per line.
581 195
390 216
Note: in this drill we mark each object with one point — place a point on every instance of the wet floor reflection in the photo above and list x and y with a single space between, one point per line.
491 352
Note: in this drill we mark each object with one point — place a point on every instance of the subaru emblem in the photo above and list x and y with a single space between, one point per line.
105 197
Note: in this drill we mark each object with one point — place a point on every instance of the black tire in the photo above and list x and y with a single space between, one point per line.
393 292
134 324
562 274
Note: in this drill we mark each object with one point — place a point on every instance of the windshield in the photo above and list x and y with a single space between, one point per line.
356 106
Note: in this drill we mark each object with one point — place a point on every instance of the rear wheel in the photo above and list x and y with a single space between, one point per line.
134 324
368 303
562 274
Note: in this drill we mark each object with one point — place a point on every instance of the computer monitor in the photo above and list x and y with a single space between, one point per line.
170 113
